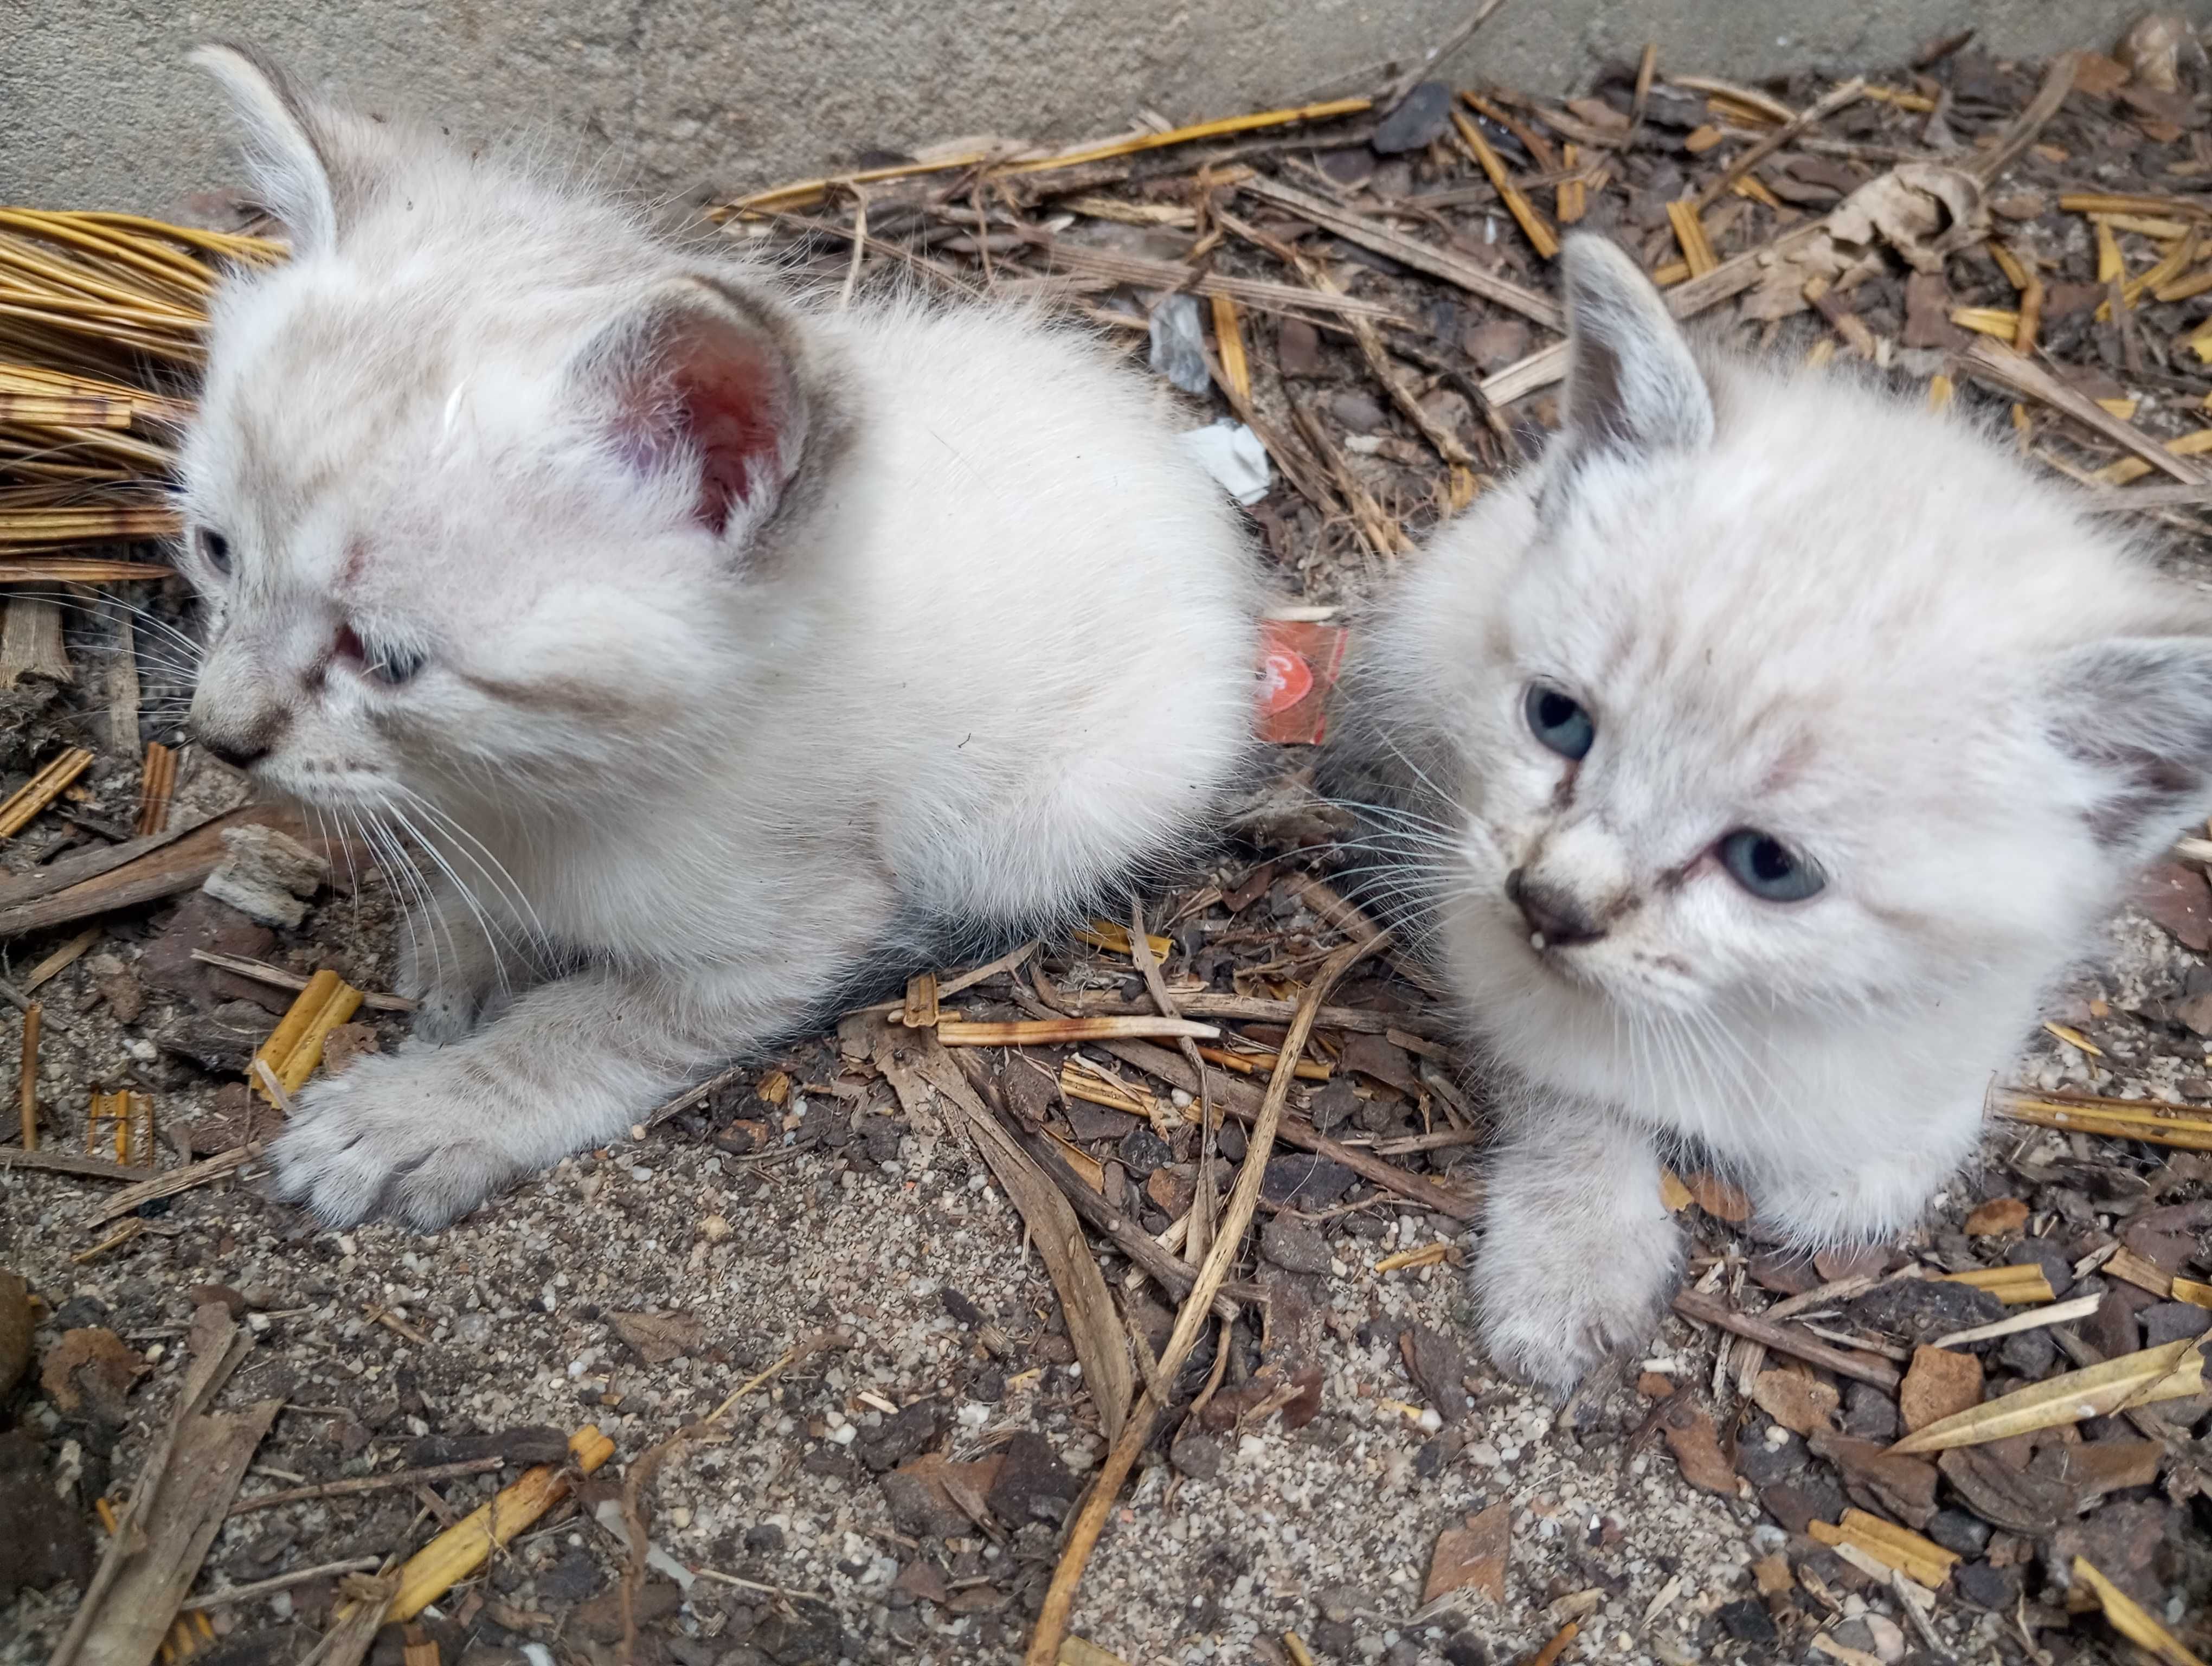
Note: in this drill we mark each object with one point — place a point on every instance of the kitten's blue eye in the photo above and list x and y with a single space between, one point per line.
1768 868
1557 721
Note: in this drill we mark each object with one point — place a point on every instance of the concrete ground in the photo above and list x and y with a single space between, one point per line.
99 110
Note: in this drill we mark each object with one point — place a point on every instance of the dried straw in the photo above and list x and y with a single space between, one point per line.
102 320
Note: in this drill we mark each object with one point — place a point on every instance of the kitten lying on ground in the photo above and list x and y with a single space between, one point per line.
1752 766
717 646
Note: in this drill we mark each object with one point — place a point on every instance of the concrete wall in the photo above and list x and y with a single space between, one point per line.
97 108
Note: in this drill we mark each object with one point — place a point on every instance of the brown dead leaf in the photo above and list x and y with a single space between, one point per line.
1940 1383
2098 76
1472 1557
91 1364
658 1337
1928 314
347 1043
1799 1404
1380 1060
1924 211
1434 1361
1995 1218
1689 1435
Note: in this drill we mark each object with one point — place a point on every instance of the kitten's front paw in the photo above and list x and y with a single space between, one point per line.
383 1139
447 1012
1552 1310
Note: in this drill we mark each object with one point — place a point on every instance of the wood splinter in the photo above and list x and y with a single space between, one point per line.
28 1091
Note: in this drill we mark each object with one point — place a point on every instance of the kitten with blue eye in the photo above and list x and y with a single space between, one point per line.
718 646
1752 766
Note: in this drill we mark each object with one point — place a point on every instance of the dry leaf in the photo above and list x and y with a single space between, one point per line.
658 1337
91 1364
1434 1361
1924 211
1996 1217
1697 1448
2130 1620
1472 1557
1939 1384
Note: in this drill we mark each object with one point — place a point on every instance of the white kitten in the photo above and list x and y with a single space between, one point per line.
1755 763
720 646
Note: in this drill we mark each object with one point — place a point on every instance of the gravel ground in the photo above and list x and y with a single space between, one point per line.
383 1344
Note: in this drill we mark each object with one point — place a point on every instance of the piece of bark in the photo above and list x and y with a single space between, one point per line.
1940 1383
207 1464
2032 1506
31 643
123 692
1799 1404
136 871
1895 1484
1473 1557
266 875
658 1337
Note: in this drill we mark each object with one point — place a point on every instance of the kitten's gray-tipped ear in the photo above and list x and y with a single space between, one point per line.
288 142
703 378
2138 711
1632 382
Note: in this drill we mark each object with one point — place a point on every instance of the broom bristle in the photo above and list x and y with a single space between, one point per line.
101 320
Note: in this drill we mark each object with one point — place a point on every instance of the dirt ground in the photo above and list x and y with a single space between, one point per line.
899 1491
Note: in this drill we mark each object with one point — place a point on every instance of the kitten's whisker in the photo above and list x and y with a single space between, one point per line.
92 611
410 873
493 937
487 863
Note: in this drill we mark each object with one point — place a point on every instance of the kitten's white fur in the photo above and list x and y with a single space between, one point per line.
1796 605
974 642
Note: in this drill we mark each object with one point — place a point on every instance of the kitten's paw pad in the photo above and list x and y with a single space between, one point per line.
379 1141
1551 1321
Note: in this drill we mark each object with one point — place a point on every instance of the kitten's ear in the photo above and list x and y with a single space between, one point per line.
1632 382
2138 711
292 144
700 378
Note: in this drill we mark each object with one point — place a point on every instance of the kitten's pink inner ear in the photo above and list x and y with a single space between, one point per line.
720 392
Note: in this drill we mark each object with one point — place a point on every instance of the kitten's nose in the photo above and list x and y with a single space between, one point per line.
241 746
1553 915
240 755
